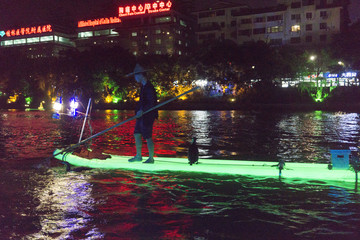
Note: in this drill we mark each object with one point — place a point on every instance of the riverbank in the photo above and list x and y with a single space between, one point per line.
226 105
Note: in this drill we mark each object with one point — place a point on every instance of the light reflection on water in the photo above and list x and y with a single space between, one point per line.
98 204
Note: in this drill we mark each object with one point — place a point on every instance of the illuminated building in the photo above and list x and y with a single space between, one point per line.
37 41
150 27
143 28
305 22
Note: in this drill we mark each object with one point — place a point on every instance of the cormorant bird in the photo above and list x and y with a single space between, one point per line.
193 154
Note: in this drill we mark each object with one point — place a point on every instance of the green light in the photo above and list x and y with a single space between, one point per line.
310 171
116 99
28 100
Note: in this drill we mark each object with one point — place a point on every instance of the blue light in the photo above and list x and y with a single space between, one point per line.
2 33
74 104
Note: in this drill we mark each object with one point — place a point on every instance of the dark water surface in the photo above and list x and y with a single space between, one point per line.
49 203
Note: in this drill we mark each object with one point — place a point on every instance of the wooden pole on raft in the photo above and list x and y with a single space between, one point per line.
123 122
86 116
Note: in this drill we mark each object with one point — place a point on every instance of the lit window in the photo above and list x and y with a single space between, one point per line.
33 40
113 32
275 29
163 19
158 52
157 31
7 43
135 53
20 41
179 52
134 34
85 34
295 28
101 32
147 43
179 42
46 38
158 41
134 44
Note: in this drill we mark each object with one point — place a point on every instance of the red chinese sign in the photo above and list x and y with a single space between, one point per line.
28 30
96 22
155 7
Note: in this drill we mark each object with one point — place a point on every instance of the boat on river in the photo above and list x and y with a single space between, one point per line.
305 171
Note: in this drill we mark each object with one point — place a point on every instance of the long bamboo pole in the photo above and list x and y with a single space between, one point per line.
121 123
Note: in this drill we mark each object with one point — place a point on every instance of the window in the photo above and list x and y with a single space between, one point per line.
222 24
85 34
245 20
259 19
207 14
157 31
308 15
259 31
158 41
323 26
323 14
134 34
295 17
274 18
233 23
163 19
46 38
158 52
308 27
274 29
295 40
134 44
33 40
245 32
308 39
20 41
101 32
296 5
295 28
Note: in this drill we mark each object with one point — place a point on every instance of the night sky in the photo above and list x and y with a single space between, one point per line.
16 13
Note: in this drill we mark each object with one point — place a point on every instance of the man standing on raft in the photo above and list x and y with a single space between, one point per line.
144 122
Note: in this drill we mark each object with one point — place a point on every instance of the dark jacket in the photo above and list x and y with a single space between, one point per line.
148 99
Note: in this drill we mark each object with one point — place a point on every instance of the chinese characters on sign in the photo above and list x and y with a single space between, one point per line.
142 8
96 22
28 30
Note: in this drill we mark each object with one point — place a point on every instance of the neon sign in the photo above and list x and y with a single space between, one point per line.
96 22
28 30
142 8
2 33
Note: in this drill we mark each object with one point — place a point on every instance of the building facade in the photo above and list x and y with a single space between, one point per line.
144 28
37 41
298 22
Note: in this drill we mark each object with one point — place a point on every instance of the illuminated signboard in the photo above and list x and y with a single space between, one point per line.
2 33
96 22
28 30
155 7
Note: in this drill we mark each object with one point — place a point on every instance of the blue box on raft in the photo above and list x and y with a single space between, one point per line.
340 158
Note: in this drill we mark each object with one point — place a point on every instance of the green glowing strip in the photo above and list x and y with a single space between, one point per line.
311 171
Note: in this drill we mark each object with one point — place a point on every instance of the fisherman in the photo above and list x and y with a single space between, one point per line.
144 122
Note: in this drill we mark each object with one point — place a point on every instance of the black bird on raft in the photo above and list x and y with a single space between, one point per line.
193 154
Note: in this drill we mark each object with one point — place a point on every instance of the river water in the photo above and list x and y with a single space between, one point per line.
41 200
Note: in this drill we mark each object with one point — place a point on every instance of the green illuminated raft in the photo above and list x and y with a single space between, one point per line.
310 171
